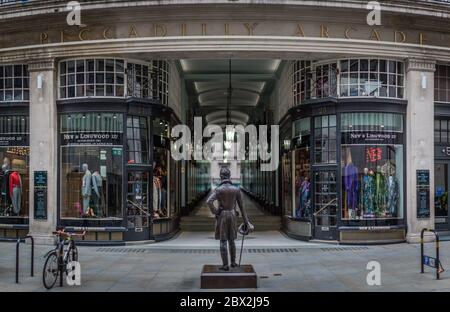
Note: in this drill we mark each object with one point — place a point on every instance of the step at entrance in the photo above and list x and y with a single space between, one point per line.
200 223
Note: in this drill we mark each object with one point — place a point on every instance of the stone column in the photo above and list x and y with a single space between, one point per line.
43 143
419 140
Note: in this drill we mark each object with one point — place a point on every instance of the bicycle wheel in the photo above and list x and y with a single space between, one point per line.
51 270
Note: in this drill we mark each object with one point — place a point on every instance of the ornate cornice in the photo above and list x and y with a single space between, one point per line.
416 64
45 64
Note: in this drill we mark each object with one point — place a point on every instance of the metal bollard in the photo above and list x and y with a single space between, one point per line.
19 240
437 263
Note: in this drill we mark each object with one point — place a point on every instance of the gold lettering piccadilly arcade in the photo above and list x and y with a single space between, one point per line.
237 29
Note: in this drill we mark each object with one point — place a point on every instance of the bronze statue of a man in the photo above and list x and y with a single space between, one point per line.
227 195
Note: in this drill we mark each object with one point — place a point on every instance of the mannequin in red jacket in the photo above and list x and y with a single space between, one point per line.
15 191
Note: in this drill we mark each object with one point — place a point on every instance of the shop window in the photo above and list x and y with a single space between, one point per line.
91 77
372 166
325 139
15 166
442 84
286 172
303 186
371 77
14 83
137 140
441 130
441 192
301 164
91 165
160 168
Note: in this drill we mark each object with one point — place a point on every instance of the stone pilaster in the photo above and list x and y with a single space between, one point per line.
419 140
43 143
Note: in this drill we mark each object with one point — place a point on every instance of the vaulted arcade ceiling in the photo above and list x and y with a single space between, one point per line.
208 81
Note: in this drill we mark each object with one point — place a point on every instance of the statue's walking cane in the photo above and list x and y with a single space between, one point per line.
243 230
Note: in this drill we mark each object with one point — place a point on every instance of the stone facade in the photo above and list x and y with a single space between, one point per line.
258 29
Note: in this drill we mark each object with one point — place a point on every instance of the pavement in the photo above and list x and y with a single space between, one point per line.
282 264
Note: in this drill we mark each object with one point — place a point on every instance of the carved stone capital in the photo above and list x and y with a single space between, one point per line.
423 65
46 64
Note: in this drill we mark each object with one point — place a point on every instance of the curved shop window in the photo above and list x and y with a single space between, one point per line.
100 77
370 77
372 161
15 166
91 165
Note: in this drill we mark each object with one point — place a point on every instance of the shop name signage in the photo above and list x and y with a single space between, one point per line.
144 29
371 138
91 138
14 140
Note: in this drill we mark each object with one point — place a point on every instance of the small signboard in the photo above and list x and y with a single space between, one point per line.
423 193
430 261
40 195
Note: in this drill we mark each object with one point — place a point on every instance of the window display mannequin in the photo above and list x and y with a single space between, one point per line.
304 198
380 194
156 195
86 189
368 192
97 195
6 199
351 184
392 195
137 189
15 191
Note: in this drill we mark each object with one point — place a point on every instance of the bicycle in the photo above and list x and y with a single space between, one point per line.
58 259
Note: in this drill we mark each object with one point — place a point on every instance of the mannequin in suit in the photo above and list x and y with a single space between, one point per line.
97 194
6 200
86 188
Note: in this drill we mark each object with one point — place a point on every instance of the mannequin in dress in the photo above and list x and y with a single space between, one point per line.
305 194
392 195
380 191
86 189
351 184
367 190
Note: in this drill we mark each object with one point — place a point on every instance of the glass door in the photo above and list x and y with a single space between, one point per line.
325 204
441 216
137 205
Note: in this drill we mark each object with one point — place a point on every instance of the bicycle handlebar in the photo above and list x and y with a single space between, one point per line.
69 234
